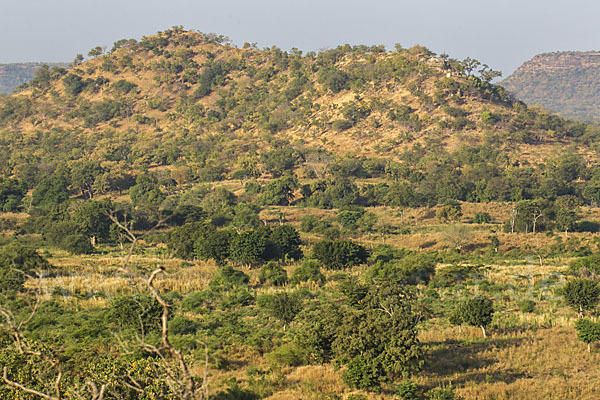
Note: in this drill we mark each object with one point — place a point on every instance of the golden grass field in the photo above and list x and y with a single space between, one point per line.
526 356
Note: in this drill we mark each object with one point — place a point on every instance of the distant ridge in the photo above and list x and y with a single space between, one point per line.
565 82
14 74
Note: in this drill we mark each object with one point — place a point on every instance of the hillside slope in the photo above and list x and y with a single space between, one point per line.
15 74
191 99
565 82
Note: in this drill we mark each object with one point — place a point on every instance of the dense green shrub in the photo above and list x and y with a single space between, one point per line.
134 312
214 244
283 306
77 243
339 254
273 274
482 218
308 271
16 262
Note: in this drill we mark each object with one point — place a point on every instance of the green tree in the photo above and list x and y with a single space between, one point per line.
280 191
186 239
251 247
339 254
146 191
283 306
587 331
214 245
377 338
476 311
91 219
287 240
12 192
581 294
51 190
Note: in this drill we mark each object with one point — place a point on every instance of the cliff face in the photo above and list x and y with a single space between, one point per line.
565 82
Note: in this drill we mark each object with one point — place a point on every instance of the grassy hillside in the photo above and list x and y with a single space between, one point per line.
565 82
182 219
157 101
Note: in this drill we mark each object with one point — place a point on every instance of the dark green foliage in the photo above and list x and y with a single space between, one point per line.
279 191
51 190
407 390
272 274
308 271
362 373
12 192
288 242
146 191
413 269
331 194
475 311
375 338
83 176
77 243
449 212
245 216
229 278
586 266
283 306
91 219
212 75
341 125
349 218
277 161
184 214
482 218
251 247
73 84
581 294
123 87
442 393
382 333
134 312
219 202
16 262
587 331
195 301
526 306
333 79
453 275
339 254
317 330
214 244
183 239
182 326
308 223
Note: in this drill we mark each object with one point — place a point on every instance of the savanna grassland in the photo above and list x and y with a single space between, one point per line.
184 219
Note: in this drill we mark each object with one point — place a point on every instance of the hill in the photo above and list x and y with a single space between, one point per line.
188 98
184 219
565 82
15 74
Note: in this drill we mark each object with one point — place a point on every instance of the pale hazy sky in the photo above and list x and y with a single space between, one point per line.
501 33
